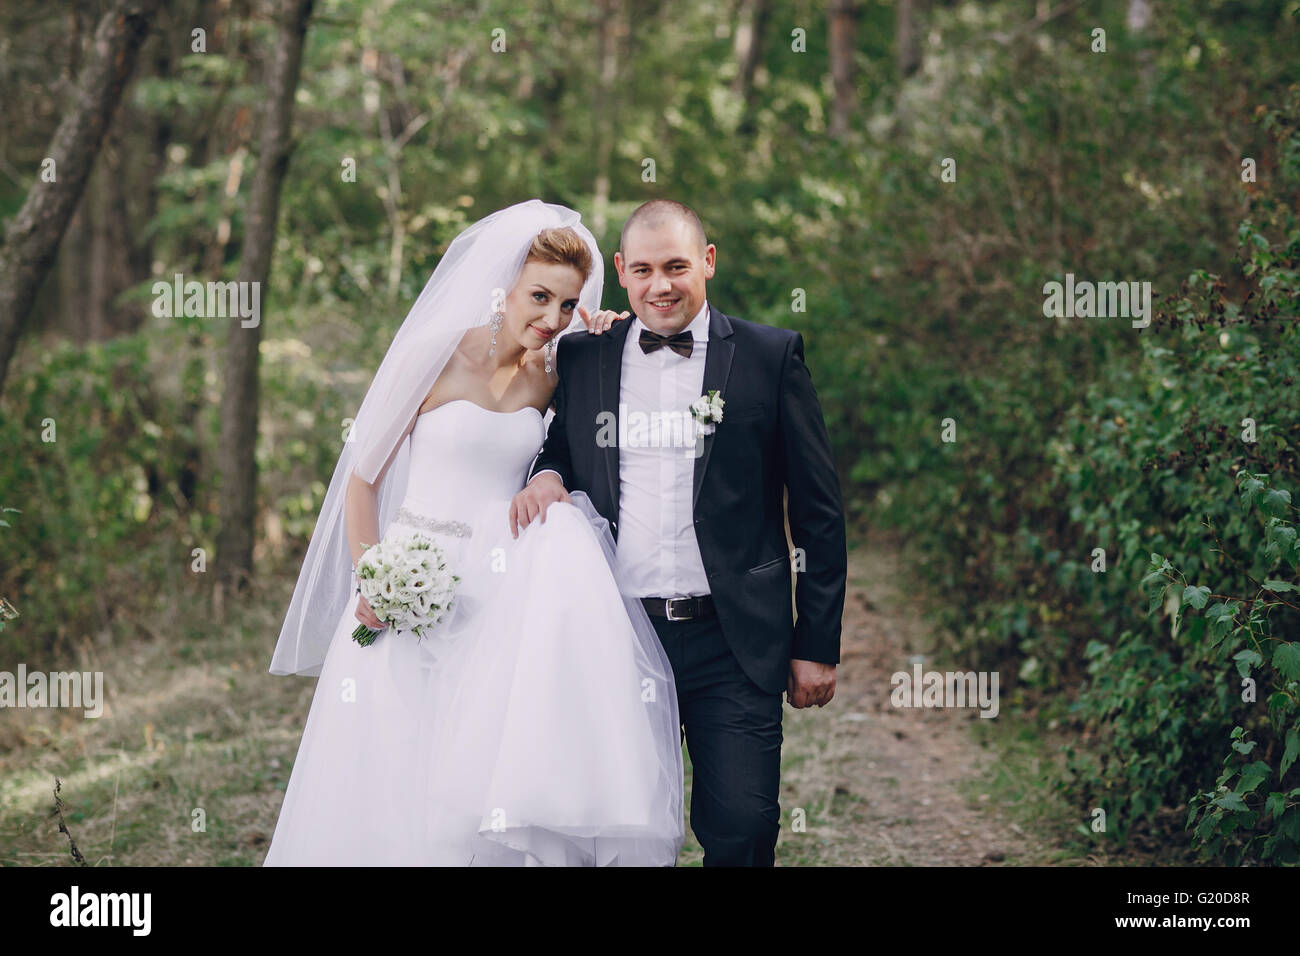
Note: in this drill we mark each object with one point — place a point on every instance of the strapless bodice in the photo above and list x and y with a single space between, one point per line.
463 454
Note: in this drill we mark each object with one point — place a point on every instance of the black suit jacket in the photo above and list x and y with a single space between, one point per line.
771 439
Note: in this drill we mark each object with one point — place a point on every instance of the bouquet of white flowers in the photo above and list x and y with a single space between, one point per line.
407 582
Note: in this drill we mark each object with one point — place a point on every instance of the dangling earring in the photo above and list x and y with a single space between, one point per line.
549 349
495 323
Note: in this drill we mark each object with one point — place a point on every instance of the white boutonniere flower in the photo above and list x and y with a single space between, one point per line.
707 411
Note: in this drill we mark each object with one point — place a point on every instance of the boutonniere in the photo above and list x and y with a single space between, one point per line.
707 411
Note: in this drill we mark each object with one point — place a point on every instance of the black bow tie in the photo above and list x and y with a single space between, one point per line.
681 343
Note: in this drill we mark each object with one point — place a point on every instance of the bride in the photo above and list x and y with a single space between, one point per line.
537 722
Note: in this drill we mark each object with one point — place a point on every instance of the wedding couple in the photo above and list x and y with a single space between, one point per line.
623 590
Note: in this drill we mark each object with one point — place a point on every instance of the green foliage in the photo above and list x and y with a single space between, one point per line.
947 320
1069 470
1258 816
920 301
1191 458
103 529
7 611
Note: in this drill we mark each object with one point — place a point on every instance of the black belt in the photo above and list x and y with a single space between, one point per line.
679 609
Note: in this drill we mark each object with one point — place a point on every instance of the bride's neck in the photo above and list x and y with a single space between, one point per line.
507 354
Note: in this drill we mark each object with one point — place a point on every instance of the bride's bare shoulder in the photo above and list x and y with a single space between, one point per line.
451 380
469 342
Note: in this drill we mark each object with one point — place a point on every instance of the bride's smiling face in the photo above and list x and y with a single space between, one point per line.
541 303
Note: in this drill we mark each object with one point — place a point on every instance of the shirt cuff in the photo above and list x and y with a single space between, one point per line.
548 471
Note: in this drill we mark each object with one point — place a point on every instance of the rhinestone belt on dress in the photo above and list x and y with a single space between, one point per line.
457 528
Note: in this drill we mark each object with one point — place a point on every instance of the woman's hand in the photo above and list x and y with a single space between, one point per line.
367 616
600 320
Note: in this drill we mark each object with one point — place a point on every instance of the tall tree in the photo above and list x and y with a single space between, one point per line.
603 108
907 36
748 47
1138 20
32 239
843 14
239 401
907 52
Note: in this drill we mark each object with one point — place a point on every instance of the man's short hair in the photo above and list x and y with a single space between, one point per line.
656 211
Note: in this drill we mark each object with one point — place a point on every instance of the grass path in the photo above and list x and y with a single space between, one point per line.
188 764
882 785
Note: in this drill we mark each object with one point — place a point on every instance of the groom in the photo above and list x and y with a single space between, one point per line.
700 529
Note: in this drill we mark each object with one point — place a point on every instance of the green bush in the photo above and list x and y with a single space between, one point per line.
1181 469
1259 816
103 529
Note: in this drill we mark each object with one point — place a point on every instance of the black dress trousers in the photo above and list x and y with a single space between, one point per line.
733 735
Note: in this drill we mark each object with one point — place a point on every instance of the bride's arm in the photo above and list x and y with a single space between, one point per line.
361 504
361 513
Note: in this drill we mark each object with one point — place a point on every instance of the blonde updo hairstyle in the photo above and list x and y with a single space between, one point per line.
561 246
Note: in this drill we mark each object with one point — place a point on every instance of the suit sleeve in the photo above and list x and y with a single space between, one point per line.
554 455
816 514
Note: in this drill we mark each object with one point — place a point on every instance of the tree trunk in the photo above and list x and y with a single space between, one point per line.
603 111
239 401
111 267
1138 20
198 253
748 47
33 237
907 52
907 37
840 48
68 302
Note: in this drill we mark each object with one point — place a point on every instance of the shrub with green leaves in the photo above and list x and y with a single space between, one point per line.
7 611
103 531
1189 460
1253 811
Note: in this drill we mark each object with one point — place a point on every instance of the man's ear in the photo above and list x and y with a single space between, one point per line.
618 267
710 260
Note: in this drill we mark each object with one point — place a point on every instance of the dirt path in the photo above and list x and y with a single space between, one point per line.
207 728
882 785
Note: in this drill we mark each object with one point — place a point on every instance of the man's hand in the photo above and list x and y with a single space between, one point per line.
538 495
810 683
600 320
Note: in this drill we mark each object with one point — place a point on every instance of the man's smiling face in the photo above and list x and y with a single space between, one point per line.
664 266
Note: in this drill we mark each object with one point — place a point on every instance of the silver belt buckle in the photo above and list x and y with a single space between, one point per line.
668 609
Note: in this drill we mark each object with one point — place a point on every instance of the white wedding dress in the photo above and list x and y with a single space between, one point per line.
535 725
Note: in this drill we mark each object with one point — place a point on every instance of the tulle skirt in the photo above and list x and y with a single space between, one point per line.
537 724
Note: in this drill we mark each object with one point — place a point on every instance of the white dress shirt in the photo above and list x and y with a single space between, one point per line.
656 552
